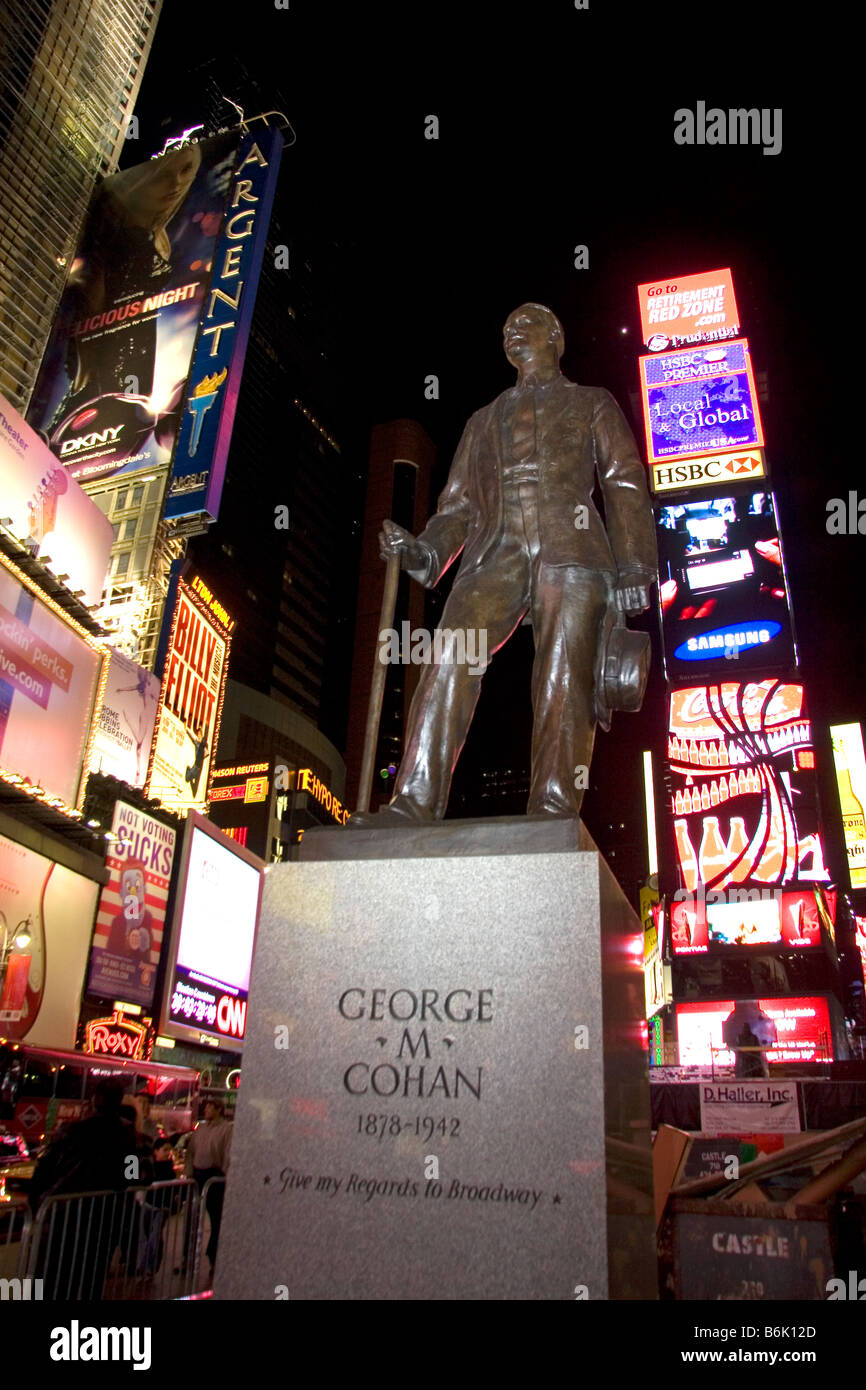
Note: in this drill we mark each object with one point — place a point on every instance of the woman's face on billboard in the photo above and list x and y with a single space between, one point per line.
172 177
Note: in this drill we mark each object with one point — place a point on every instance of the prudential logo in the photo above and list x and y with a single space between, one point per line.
77 1343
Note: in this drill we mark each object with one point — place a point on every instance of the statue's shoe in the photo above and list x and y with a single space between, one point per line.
399 813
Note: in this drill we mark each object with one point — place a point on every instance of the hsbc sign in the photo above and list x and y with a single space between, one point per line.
693 473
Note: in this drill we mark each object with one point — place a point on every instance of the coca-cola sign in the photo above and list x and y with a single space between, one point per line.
742 803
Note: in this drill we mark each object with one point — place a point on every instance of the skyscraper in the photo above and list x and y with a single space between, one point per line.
70 77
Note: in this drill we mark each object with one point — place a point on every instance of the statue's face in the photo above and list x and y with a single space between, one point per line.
527 335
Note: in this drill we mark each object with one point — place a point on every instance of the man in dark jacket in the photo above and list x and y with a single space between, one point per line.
96 1155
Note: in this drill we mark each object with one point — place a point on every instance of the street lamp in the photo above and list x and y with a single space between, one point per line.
20 941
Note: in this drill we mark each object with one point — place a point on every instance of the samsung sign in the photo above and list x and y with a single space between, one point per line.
727 640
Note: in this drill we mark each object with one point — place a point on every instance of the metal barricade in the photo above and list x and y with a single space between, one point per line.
15 1223
140 1243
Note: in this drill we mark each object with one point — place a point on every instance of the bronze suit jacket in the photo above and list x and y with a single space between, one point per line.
580 432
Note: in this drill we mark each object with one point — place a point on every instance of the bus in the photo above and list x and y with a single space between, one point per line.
41 1088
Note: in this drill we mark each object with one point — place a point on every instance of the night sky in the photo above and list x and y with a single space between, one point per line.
556 129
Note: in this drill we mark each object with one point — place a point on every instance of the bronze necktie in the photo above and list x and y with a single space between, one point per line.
523 427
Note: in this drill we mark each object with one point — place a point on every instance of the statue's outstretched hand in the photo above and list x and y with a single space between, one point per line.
394 540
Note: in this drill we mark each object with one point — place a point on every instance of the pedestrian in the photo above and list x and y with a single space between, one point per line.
91 1156
207 1156
149 1127
140 1174
158 1205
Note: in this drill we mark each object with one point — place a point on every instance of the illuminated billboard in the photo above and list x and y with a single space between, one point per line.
305 780
742 786
249 782
131 917
689 309
110 390
715 471
722 586
213 938
860 941
851 779
123 737
190 698
747 917
49 513
700 401
240 802
801 1027
41 991
51 685
206 426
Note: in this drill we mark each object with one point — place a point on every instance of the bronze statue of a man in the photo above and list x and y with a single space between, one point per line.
518 504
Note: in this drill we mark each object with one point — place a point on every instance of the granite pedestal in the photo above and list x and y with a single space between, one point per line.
444 1090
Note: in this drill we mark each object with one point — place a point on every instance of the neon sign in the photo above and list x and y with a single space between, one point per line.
701 401
117 1036
305 780
689 309
725 640
744 807
190 701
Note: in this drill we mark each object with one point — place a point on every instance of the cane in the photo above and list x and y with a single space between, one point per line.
377 686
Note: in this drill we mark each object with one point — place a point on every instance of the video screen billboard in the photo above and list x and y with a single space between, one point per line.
131 917
722 587
124 734
213 938
700 401
41 994
50 688
48 512
112 383
190 698
799 1027
743 794
747 917
688 309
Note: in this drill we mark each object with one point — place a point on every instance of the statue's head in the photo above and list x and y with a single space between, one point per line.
533 332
